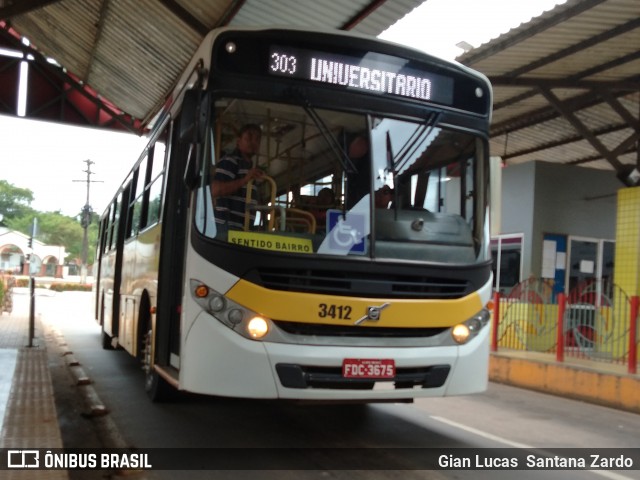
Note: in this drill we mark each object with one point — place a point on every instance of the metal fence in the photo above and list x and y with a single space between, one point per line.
597 321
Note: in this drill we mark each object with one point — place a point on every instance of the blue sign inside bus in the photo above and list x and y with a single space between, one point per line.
373 73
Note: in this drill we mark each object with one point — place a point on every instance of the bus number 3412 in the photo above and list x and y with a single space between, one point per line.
341 312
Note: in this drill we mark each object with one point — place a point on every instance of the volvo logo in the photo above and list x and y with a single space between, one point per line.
373 314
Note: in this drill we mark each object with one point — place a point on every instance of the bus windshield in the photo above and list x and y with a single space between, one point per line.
340 183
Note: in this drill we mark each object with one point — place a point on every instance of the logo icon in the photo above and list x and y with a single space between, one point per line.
23 459
346 233
373 314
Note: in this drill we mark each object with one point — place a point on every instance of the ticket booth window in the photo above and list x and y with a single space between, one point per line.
507 262
590 260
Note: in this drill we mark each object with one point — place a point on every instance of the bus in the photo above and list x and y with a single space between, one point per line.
361 270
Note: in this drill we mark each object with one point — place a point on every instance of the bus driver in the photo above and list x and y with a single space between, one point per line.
233 172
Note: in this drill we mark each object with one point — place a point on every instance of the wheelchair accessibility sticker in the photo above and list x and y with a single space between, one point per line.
347 233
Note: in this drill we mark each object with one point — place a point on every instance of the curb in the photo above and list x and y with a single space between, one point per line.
608 389
95 409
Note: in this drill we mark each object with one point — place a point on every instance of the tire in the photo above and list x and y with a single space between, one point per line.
106 341
157 388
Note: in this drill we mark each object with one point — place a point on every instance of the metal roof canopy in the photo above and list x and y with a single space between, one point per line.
566 84
132 51
567 87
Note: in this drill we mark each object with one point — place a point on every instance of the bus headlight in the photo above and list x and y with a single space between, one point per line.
463 332
257 327
237 317
460 333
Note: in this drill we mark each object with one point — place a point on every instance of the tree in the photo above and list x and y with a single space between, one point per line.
54 228
14 201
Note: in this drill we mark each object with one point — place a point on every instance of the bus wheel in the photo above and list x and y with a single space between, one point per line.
157 388
106 341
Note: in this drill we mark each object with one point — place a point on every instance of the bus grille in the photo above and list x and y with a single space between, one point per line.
296 328
370 284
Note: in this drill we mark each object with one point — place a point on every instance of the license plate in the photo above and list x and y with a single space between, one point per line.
368 368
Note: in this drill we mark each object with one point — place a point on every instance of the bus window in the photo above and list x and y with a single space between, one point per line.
102 245
300 153
157 164
427 174
112 224
137 219
155 201
115 222
418 178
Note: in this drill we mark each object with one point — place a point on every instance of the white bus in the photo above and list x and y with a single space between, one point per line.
361 268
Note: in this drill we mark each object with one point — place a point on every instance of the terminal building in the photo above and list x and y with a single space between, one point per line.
17 257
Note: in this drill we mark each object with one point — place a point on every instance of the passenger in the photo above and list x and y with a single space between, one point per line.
233 172
325 200
358 183
383 197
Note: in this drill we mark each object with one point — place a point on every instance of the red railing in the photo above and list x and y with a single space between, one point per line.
594 322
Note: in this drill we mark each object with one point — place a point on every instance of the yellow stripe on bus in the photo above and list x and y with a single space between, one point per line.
339 310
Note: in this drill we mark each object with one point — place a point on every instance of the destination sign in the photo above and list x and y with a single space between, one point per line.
373 72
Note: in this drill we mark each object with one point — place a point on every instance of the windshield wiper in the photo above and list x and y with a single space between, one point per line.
331 140
415 141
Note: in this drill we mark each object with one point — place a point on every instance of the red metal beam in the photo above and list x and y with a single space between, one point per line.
362 14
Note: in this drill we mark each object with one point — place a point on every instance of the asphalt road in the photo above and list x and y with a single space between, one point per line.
503 417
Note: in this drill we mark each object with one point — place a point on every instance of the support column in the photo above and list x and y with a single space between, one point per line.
627 263
627 256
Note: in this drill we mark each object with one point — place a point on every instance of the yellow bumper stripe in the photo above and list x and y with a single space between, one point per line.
339 310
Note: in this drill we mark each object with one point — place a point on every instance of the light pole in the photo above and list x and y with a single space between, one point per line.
85 221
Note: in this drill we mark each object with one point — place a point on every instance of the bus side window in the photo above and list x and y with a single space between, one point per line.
102 246
117 205
153 194
155 201
111 226
136 221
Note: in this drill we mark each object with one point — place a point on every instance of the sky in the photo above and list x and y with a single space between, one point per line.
49 158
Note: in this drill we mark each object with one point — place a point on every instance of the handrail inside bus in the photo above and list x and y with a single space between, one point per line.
302 216
270 205
271 208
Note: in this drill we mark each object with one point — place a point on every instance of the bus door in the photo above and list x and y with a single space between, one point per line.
114 328
171 267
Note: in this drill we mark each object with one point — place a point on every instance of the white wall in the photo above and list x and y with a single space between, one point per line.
542 197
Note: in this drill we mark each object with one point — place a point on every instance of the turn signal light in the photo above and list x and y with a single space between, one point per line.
201 291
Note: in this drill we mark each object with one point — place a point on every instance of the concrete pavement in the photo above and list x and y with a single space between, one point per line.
30 420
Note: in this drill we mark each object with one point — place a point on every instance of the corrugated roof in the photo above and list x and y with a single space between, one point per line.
567 85
132 51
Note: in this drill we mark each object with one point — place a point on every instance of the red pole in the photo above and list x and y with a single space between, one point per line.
562 305
496 321
633 337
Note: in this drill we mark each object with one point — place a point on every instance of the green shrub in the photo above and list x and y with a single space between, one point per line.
68 287
22 282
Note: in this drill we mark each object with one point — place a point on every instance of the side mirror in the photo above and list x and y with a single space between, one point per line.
193 118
